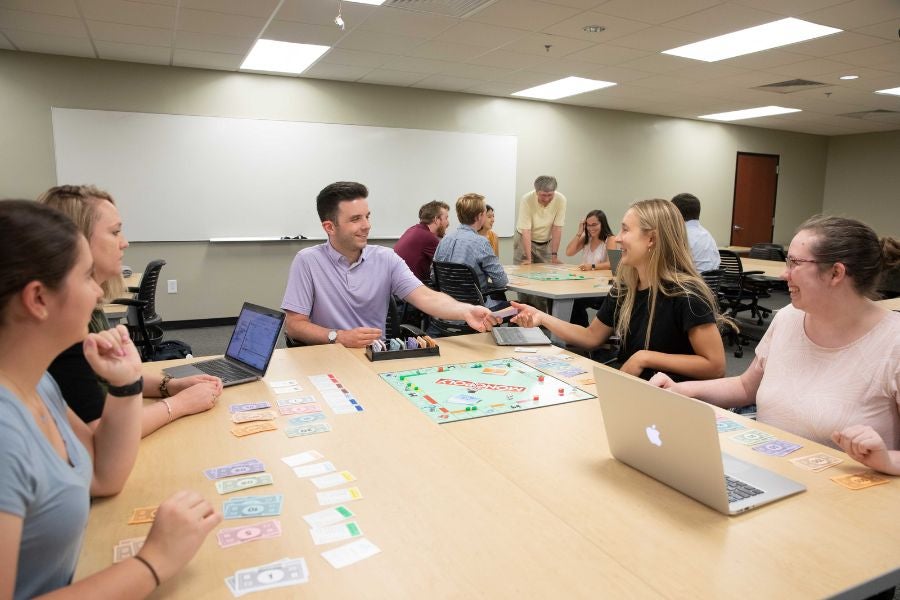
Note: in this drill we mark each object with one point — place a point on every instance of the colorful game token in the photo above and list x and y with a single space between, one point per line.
562 391
540 378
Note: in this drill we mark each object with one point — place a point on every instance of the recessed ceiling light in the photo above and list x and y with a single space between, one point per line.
746 41
570 86
892 91
750 113
849 77
594 28
282 57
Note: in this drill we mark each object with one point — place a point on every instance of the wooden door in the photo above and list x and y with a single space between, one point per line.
753 211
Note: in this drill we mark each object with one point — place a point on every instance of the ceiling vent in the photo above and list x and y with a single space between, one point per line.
789 87
879 114
448 8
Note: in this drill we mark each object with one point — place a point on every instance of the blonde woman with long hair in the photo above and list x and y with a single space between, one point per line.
661 309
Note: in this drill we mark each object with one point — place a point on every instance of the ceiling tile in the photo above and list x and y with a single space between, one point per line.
129 34
527 79
564 67
444 82
710 71
208 42
257 8
886 56
415 65
302 33
323 12
324 70
478 72
856 13
505 59
722 19
655 11
199 21
386 19
523 14
808 69
373 41
764 60
582 4
615 27
133 52
352 58
657 39
886 30
835 44
62 8
387 77
494 88
618 74
480 34
536 43
789 8
607 54
129 13
659 63
29 41
206 60
446 51
41 23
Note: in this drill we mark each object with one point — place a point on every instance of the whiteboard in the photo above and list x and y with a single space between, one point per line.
183 178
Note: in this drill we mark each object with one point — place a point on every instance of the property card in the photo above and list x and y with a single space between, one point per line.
247 507
233 536
353 552
777 447
283 383
288 389
295 460
326 481
861 480
335 533
310 429
338 496
227 486
313 470
751 437
329 516
816 462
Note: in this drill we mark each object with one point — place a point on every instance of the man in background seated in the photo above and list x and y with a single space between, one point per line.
417 244
703 247
338 292
467 246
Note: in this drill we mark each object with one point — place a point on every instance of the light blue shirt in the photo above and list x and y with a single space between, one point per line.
51 496
703 247
465 246
324 286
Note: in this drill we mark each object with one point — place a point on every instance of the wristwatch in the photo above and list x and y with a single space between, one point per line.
332 336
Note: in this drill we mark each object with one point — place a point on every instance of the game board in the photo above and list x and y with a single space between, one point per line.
479 389
539 276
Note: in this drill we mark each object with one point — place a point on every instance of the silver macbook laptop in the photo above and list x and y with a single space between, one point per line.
249 350
520 336
615 255
674 440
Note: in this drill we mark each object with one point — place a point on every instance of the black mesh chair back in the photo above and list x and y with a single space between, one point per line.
146 291
143 321
731 269
767 252
460 282
729 332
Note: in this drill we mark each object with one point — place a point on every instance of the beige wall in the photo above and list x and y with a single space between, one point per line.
863 180
603 159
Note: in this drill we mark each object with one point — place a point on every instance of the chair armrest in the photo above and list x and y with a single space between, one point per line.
130 302
754 272
133 289
412 330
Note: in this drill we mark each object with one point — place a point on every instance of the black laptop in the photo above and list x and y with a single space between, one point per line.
249 350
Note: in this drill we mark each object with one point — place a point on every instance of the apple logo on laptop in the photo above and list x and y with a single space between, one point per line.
653 435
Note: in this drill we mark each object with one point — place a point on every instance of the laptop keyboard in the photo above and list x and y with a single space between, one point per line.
738 490
512 335
223 370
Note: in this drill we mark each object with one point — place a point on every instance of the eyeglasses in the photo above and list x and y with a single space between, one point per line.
792 263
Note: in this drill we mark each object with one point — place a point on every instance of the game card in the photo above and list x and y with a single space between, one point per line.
288 389
247 507
335 533
233 536
728 425
313 470
284 383
127 548
295 460
329 516
351 553
244 467
816 462
246 417
227 486
338 496
304 430
861 480
245 429
777 447
326 481
751 437
145 514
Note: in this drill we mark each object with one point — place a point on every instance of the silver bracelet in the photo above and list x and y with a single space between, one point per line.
168 408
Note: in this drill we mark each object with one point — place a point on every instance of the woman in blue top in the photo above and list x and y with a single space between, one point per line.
51 463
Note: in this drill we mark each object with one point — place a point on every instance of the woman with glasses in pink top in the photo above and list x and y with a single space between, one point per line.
828 368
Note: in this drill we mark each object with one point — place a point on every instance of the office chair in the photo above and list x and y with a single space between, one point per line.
393 327
768 252
143 322
460 282
729 331
740 290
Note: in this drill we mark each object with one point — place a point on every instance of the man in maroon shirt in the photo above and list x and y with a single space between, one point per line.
416 246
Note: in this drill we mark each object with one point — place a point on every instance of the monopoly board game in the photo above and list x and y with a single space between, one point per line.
542 276
479 389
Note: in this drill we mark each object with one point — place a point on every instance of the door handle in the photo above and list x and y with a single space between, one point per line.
737 227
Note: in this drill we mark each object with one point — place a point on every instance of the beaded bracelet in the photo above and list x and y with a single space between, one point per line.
164 386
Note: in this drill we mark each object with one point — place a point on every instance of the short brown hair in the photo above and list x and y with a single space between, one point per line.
468 207
432 210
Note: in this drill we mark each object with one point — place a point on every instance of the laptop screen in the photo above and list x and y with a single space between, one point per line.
255 336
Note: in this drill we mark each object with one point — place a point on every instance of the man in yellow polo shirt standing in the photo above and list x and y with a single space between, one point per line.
542 214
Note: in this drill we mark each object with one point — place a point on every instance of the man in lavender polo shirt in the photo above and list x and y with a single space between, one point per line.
338 292
418 243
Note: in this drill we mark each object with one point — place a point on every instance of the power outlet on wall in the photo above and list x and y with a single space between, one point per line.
173 286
